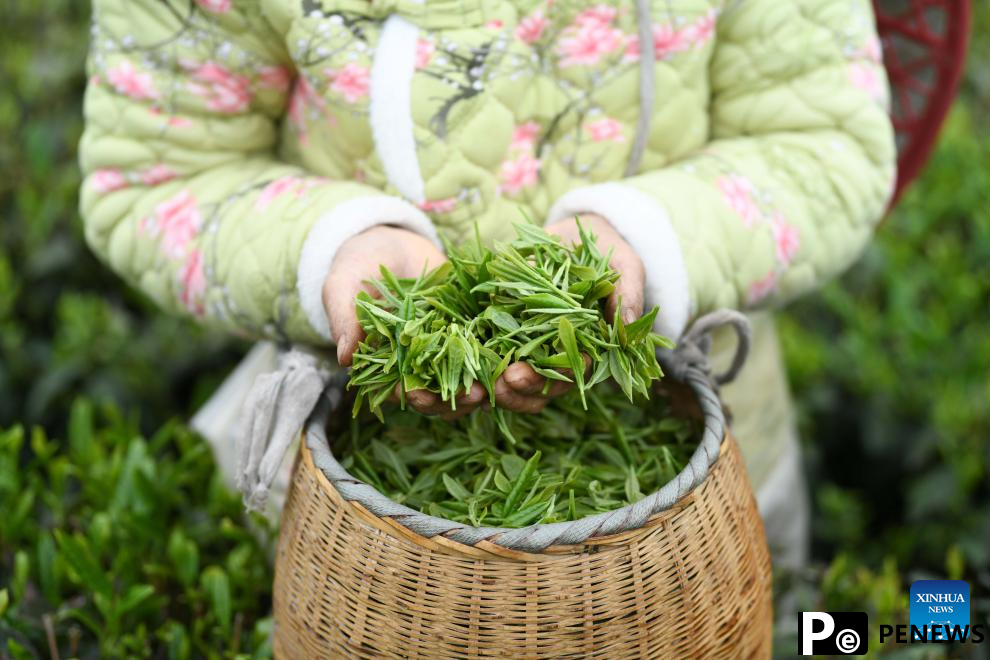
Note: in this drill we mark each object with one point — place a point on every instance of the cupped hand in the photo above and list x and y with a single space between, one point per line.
520 388
358 260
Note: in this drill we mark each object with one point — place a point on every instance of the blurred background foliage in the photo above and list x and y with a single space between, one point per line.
890 365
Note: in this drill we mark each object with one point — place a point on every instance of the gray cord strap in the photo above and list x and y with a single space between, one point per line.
274 413
647 86
692 350
685 366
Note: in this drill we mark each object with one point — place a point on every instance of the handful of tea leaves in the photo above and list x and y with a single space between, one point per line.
534 300
567 463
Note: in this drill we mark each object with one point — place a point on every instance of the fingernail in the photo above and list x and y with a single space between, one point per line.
342 344
628 315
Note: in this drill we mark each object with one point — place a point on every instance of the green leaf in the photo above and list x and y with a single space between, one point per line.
640 329
501 319
47 576
620 372
569 344
135 597
81 432
217 587
502 483
521 483
512 465
184 555
75 549
456 489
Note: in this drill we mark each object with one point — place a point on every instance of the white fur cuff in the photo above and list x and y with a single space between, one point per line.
645 225
329 233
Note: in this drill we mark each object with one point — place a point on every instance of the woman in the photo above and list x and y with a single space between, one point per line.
251 162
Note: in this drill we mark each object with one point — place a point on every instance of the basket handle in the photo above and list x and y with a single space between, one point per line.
280 403
691 353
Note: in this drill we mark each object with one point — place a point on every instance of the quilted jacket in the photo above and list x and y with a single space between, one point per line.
742 146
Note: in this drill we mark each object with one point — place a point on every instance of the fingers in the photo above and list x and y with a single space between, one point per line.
522 379
338 300
358 259
508 398
430 403
629 289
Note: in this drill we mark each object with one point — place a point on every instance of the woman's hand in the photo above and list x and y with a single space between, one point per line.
405 253
520 388
359 259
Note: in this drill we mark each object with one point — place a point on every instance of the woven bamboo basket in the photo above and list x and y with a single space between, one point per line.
683 573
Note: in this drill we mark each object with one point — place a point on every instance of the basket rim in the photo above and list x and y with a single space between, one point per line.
537 537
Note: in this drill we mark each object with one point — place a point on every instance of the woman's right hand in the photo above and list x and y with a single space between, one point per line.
358 260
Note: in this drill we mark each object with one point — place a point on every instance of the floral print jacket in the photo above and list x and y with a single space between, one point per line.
232 145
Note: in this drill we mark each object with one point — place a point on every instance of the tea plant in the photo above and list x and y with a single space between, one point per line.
566 462
112 545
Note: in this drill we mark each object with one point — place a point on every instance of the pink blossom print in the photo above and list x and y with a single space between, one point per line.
176 222
666 41
494 24
531 28
424 52
590 37
179 122
223 90
215 6
175 121
287 185
524 136
158 174
351 81
108 180
518 173
786 239
303 97
597 16
278 78
128 81
604 130
445 205
702 30
867 78
192 283
873 50
738 194
762 288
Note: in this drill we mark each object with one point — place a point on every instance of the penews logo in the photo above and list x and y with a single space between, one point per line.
833 633
937 608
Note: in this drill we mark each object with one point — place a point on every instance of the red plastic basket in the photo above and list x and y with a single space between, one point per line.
924 49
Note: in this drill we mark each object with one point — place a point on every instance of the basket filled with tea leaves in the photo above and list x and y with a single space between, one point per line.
616 522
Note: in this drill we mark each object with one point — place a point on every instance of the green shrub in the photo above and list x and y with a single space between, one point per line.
892 366
67 325
113 545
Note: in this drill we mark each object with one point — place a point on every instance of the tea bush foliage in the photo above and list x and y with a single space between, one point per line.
116 538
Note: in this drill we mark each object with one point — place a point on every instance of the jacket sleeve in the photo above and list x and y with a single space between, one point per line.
184 195
798 170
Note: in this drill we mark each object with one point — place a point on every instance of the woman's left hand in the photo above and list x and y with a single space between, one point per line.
520 388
